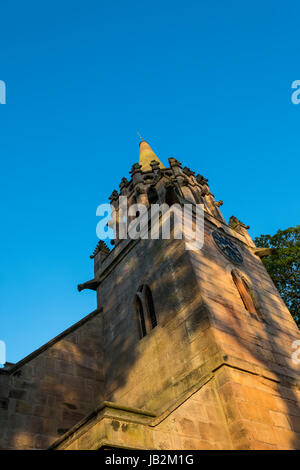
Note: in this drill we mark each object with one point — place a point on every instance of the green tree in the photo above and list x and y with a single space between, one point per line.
284 265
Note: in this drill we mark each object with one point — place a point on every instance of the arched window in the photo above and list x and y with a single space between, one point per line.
244 291
145 310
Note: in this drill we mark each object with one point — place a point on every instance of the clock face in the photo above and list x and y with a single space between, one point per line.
227 247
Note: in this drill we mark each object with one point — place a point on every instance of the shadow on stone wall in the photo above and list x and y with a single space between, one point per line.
104 358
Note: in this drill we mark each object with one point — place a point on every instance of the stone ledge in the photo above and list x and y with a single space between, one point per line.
258 370
115 425
111 412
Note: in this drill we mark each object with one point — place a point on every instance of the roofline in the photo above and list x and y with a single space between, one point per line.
51 342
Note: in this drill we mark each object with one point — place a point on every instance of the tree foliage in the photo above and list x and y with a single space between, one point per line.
284 265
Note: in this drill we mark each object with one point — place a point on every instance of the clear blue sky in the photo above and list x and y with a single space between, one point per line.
206 82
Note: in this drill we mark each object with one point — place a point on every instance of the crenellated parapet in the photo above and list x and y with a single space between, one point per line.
150 182
102 249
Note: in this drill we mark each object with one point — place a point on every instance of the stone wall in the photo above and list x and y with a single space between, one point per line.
203 327
151 372
213 374
196 422
45 394
262 412
231 409
260 388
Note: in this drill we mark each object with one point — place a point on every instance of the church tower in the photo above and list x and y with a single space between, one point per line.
192 349
201 339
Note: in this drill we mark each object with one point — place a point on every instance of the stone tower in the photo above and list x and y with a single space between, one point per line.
187 349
